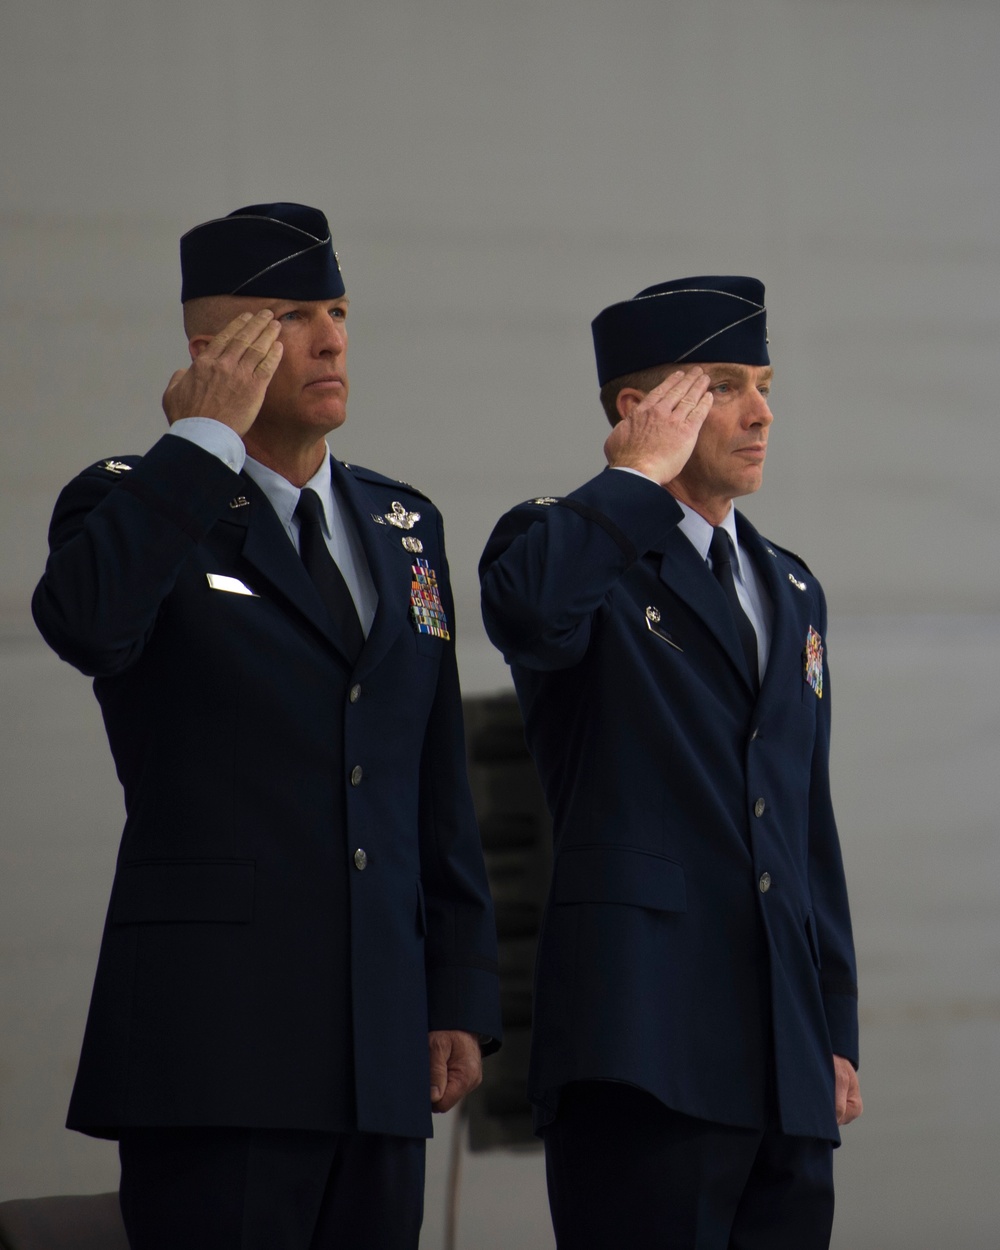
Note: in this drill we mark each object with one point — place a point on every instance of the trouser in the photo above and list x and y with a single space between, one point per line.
624 1170
254 1189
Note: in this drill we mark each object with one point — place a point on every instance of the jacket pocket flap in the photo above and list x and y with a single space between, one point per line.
184 892
616 874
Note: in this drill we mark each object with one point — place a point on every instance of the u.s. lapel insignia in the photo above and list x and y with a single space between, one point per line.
653 625
413 545
399 517
813 659
240 501
795 582
426 610
117 467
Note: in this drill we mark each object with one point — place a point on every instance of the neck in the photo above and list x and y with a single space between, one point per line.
296 462
714 511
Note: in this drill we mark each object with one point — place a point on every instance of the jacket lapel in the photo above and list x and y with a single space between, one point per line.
690 578
388 562
787 629
268 549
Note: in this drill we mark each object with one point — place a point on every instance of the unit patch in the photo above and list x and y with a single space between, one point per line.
426 610
814 662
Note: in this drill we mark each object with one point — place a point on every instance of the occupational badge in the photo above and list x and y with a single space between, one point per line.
413 545
399 517
426 609
653 618
813 659
117 467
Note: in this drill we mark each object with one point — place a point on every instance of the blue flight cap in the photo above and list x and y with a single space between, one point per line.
278 251
686 321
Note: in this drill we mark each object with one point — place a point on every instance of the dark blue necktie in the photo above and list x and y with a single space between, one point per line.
721 551
329 580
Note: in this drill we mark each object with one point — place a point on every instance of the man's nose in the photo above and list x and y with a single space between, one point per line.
329 337
758 410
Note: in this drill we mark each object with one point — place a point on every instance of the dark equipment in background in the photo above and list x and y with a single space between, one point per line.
517 842
516 831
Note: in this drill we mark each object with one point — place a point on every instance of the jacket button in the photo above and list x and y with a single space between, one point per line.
758 807
357 772
355 694
360 860
764 883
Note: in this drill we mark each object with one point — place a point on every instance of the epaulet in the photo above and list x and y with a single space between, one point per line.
114 466
785 552
380 479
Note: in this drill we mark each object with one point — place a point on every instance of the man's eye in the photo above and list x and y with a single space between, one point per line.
289 316
721 388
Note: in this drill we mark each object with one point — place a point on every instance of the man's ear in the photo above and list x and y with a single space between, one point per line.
627 399
198 344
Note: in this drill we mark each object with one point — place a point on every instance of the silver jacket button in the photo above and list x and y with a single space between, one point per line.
764 882
357 772
360 860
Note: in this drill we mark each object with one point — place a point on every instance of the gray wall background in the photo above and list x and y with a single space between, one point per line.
496 174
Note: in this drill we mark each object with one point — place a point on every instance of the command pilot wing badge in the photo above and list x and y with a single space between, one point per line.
399 517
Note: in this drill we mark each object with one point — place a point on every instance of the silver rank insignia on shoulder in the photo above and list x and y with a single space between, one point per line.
240 501
770 551
653 618
795 582
399 517
413 544
545 501
117 467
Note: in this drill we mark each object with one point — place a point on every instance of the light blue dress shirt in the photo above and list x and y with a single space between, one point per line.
339 530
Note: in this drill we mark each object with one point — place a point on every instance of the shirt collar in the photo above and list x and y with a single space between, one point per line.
284 497
698 531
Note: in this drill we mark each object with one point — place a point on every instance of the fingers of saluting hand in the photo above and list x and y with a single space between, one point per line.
248 340
228 378
660 431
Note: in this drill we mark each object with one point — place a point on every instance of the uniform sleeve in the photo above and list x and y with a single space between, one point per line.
550 564
117 539
461 950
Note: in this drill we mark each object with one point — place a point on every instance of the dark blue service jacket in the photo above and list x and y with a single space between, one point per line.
300 892
697 928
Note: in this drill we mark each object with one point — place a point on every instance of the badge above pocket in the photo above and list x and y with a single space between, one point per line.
232 585
654 625
813 662
426 610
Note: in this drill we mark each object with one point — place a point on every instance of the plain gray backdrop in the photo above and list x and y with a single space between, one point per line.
495 174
